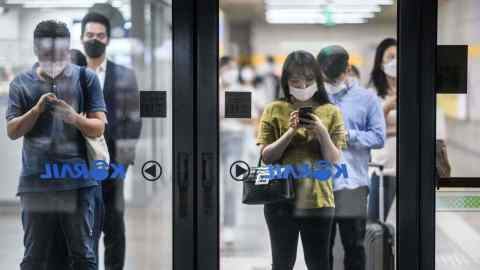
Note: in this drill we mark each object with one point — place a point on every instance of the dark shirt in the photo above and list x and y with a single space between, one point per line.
122 99
51 140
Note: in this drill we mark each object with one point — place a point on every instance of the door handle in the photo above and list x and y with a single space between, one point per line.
207 181
183 183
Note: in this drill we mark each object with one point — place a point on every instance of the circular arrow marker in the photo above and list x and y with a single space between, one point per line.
151 170
239 170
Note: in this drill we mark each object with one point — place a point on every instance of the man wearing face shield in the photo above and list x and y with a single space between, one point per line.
365 125
120 89
45 107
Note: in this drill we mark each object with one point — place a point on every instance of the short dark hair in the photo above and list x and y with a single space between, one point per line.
96 18
77 58
50 29
355 71
303 62
225 60
333 61
270 59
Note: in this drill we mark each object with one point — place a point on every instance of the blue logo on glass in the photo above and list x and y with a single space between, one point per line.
78 171
321 170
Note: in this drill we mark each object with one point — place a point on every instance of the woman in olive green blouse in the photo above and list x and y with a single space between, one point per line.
284 141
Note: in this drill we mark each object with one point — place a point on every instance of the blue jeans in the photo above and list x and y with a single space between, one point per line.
47 216
59 258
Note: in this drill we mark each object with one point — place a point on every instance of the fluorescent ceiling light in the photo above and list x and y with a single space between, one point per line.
60 5
56 3
327 2
332 8
336 16
314 21
314 12
117 3
53 1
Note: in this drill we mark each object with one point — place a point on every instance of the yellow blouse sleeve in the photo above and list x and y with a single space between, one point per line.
266 131
337 130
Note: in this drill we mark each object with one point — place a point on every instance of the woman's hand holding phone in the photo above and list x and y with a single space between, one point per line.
315 125
294 121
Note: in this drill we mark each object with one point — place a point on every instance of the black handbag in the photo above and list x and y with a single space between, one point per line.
276 190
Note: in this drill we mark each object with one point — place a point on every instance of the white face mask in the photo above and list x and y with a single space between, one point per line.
248 75
334 88
390 68
230 76
51 68
304 94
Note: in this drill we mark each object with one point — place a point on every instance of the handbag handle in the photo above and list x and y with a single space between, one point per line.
259 161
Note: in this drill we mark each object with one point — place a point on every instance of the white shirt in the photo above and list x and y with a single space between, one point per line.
101 72
387 156
441 124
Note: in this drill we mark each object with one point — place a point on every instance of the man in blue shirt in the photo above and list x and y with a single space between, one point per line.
44 107
365 125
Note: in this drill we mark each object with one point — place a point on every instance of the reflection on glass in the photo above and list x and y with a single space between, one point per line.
254 57
136 232
457 230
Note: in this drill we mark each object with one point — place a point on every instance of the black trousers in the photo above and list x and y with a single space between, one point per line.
351 216
114 227
111 223
59 258
284 229
389 191
65 217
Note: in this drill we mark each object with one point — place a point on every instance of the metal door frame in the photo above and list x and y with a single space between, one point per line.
417 22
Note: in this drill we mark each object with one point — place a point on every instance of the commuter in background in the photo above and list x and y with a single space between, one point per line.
78 58
249 82
365 130
283 140
270 80
232 134
354 74
44 108
228 71
120 89
384 81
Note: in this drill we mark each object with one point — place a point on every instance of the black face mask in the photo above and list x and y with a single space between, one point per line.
94 48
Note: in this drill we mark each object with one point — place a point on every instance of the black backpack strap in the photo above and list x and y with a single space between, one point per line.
84 87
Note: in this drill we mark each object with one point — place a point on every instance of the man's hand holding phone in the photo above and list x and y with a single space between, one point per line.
44 101
64 111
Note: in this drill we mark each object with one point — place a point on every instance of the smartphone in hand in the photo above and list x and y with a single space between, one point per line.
50 104
304 113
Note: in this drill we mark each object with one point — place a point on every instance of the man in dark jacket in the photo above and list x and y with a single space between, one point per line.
121 94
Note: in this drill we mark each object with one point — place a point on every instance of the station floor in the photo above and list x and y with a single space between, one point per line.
149 242
149 236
